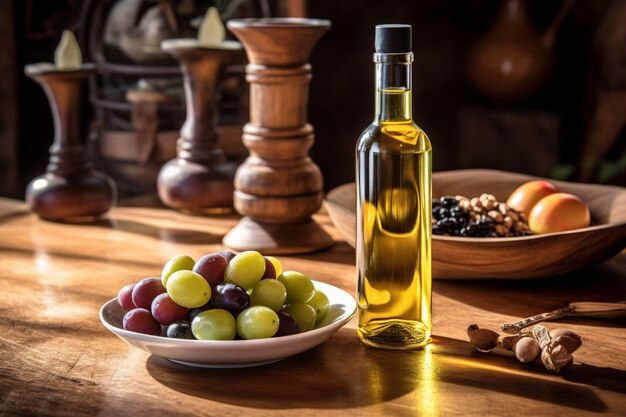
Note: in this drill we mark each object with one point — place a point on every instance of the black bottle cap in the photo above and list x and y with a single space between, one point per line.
393 39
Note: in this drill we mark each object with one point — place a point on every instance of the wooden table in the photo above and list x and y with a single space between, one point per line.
57 359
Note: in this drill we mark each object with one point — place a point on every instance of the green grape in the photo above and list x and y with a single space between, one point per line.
269 293
245 269
177 263
215 324
304 315
257 322
319 302
277 265
300 288
188 289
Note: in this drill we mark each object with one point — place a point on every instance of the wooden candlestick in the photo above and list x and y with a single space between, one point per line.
200 179
278 187
70 190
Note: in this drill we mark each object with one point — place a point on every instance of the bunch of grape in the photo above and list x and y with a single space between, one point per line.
223 296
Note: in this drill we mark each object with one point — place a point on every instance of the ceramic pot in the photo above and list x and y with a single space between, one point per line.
512 61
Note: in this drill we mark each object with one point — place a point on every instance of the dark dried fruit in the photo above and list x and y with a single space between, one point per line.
448 201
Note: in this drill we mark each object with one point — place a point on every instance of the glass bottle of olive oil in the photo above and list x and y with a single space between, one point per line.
393 177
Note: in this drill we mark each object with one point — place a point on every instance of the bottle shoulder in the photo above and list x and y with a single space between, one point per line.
405 137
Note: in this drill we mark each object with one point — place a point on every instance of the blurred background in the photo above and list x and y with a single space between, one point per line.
529 86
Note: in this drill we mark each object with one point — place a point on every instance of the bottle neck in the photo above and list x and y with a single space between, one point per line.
393 87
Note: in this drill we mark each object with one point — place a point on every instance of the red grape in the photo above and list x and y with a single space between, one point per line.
270 271
226 254
211 267
125 297
286 325
230 297
146 290
166 311
141 321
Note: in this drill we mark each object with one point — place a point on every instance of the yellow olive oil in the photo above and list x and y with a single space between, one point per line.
394 217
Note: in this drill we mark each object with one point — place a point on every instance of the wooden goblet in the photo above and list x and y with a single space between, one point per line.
70 190
200 179
278 187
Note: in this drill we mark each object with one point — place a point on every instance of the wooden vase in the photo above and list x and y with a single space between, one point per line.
70 190
200 179
278 187
512 61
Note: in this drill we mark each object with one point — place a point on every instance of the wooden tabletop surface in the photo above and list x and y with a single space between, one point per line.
57 359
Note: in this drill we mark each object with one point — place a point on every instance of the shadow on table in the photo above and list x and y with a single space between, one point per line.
524 298
166 234
9 214
609 379
342 373
339 253
74 256
460 363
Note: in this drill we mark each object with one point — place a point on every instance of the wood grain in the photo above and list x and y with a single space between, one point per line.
515 257
56 359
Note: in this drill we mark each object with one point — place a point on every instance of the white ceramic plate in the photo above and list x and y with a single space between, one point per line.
235 353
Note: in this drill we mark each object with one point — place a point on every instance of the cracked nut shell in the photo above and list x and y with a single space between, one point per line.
567 338
555 357
509 342
483 339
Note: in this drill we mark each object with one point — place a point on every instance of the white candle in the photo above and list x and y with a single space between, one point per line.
67 56
211 31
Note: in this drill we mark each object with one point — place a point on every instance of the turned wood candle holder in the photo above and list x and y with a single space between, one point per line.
200 179
278 187
70 190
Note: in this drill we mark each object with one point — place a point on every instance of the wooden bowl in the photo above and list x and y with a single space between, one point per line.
513 257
